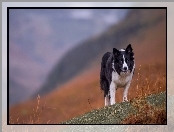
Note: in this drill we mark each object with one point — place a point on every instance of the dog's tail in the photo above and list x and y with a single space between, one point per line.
104 85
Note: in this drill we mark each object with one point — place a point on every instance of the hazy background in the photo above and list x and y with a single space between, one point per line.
38 38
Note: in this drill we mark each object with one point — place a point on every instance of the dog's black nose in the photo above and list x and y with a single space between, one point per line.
125 68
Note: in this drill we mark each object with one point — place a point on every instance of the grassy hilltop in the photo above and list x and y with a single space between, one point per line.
144 110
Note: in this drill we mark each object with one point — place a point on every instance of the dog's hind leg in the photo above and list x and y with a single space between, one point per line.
107 100
112 93
106 94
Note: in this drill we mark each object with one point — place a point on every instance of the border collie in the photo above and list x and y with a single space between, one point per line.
117 69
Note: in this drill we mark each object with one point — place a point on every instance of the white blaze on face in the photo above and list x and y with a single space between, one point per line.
122 50
124 63
113 66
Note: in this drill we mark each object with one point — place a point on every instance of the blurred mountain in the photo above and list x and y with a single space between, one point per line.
89 52
38 38
17 95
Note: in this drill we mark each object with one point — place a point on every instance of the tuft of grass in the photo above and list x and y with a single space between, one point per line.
151 79
34 117
150 111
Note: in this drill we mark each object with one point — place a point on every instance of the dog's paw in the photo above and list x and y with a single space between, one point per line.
125 99
112 102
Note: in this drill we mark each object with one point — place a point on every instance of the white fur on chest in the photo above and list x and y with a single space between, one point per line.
122 79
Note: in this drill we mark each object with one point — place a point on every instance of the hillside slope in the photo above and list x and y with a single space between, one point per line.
144 110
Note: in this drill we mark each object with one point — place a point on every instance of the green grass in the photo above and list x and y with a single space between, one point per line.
144 110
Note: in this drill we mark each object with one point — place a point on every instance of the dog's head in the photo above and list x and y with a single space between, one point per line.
123 60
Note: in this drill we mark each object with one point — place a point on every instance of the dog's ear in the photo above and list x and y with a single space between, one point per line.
115 51
129 48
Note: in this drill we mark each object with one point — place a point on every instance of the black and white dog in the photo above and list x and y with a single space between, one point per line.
117 69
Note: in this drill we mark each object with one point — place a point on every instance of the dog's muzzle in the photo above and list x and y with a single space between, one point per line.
125 71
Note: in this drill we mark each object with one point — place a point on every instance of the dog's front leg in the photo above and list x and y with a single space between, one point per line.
126 92
112 93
